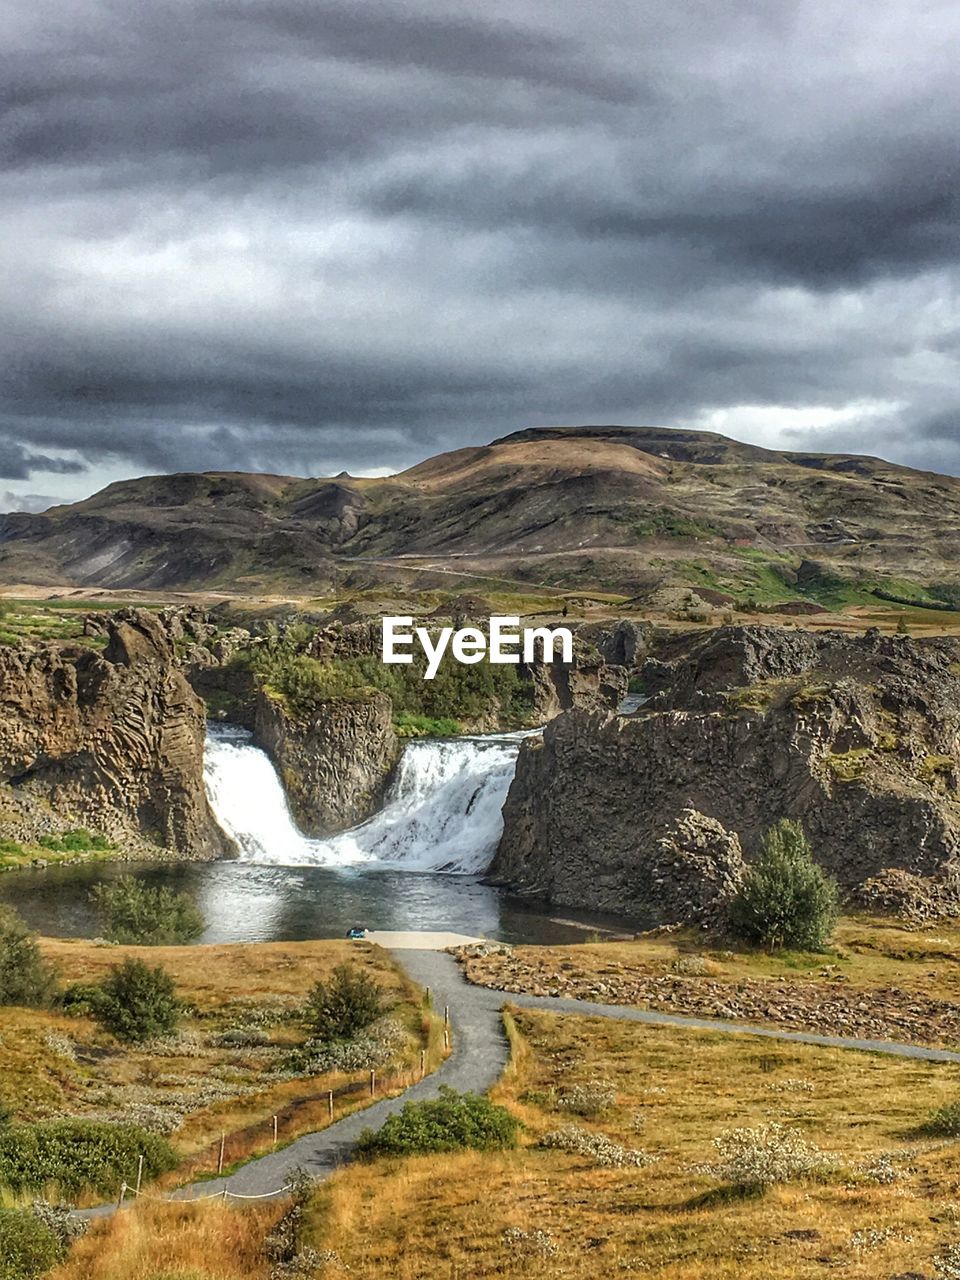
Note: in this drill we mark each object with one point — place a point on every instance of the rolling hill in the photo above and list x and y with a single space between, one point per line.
625 509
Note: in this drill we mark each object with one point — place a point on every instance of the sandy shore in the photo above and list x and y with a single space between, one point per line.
415 940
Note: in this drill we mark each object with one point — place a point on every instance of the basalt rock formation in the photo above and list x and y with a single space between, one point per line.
858 738
110 741
335 762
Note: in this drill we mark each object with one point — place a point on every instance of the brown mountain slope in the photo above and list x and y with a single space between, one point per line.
625 508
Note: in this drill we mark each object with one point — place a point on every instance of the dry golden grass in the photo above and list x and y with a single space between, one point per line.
38 1082
445 1216
175 1242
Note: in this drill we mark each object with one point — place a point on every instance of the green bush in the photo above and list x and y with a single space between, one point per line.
78 840
79 1155
136 914
344 1006
452 1122
137 1003
28 1248
457 692
408 725
785 900
945 1122
25 977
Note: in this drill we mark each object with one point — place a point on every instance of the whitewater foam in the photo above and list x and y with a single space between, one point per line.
443 812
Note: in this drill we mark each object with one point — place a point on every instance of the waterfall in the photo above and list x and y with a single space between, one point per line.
442 812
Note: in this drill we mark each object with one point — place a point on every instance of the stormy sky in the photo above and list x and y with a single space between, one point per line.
304 235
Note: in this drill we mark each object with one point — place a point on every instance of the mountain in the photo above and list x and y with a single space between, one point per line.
624 509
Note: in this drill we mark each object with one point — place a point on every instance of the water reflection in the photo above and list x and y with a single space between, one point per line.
244 902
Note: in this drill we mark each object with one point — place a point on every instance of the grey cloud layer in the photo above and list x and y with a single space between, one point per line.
306 236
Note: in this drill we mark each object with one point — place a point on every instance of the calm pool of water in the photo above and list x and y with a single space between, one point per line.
246 902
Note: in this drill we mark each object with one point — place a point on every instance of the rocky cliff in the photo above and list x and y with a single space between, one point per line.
857 738
334 763
112 741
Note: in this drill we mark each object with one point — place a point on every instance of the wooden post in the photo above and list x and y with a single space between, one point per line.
446 1015
223 1139
274 1130
123 1192
373 1083
423 1063
225 1194
139 1174
330 1103
446 1038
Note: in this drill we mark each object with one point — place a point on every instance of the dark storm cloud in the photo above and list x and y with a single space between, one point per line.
306 236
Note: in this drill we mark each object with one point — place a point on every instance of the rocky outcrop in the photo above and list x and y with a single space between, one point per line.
111 741
334 762
856 738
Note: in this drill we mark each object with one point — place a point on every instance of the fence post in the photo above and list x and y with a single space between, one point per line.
330 1102
223 1140
423 1063
123 1192
274 1130
139 1174
446 1015
373 1083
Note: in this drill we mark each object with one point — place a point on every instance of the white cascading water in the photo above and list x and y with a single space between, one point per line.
443 812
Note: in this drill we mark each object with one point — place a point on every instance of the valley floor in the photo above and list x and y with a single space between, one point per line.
637 1184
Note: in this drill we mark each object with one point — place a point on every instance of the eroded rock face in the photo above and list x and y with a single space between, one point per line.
334 764
114 742
856 738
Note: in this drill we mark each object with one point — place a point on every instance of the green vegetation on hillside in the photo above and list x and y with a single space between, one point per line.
436 707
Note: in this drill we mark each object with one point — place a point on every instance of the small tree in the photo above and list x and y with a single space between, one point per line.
137 915
341 1008
785 900
25 977
137 1003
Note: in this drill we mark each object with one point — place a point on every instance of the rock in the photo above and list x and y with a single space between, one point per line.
693 870
114 742
335 763
854 737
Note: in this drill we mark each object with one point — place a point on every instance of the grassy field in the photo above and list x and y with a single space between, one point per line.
887 1204
887 1208
194 1087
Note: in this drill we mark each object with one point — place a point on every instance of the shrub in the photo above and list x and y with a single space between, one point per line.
602 1150
343 1007
945 1122
452 1122
28 1248
373 1048
25 978
408 725
766 1155
785 900
137 1003
79 1154
590 1099
77 840
137 914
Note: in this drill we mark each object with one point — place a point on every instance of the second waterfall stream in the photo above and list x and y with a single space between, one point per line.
442 813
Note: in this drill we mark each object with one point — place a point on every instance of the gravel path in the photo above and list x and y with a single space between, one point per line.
480 1053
